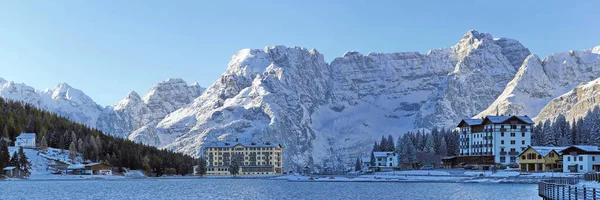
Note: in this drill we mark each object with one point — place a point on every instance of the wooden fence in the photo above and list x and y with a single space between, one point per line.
559 189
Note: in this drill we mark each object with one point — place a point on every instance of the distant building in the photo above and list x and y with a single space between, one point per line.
540 158
11 171
251 157
429 159
386 159
499 137
365 163
581 159
26 140
89 169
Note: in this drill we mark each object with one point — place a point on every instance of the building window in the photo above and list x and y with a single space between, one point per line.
581 167
522 141
523 158
593 158
512 142
502 159
568 158
513 159
501 141
523 134
539 156
580 158
512 134
502 134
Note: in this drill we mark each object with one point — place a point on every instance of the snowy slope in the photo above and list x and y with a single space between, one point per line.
574 104
123 119
332 112
538 82
63 100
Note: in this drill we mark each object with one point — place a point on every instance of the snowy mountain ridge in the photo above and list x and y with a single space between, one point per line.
329 113
325 113
122 119
540 81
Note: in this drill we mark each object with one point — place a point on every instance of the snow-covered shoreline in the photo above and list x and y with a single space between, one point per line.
435 176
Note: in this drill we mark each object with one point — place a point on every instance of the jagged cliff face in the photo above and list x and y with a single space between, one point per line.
323 113
135 117
574 104
331 113
538 82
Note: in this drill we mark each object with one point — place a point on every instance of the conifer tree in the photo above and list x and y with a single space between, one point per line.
24 164
390 143
443 148
357 165
72 151
429 144
43 143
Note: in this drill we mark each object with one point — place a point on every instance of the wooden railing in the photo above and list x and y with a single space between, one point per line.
554 190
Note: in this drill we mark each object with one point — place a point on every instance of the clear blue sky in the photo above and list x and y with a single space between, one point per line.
107 47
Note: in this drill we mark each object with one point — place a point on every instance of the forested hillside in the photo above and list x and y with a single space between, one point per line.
59 132
582 131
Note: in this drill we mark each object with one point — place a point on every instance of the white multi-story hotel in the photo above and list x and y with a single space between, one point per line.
502 137
251 157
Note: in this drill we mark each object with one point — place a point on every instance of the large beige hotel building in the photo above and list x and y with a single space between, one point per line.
251 157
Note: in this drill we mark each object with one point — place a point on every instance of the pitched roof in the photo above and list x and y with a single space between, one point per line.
245 144
365 160
500 119
76 166
9 168
544 151
591 149
472 122
26 136
382 153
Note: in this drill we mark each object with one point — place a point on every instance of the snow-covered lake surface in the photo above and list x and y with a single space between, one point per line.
256 189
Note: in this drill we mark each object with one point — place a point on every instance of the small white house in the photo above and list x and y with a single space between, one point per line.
25 140
386 159
365 163
581 159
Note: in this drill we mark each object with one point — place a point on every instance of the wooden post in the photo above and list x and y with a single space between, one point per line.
569 192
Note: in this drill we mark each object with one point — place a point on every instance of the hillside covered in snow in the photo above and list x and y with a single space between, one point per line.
322 112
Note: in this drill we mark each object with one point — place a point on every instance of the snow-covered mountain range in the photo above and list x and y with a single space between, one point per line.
325 113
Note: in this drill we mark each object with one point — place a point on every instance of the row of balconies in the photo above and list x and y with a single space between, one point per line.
512 153
482 145
490 130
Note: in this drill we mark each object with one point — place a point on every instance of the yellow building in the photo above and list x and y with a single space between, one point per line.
251 157
540 158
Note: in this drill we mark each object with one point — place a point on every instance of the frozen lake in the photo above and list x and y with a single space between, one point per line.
257 189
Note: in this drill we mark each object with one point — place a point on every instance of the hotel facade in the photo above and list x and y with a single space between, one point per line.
501 138
251 157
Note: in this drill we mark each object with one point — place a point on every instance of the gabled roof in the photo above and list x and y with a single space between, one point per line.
245 144
585 148
26 136
543 150
501 119
379 154
470 122
365 160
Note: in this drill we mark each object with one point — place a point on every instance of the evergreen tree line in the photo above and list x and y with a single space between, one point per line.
58 132
437 142
583 131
